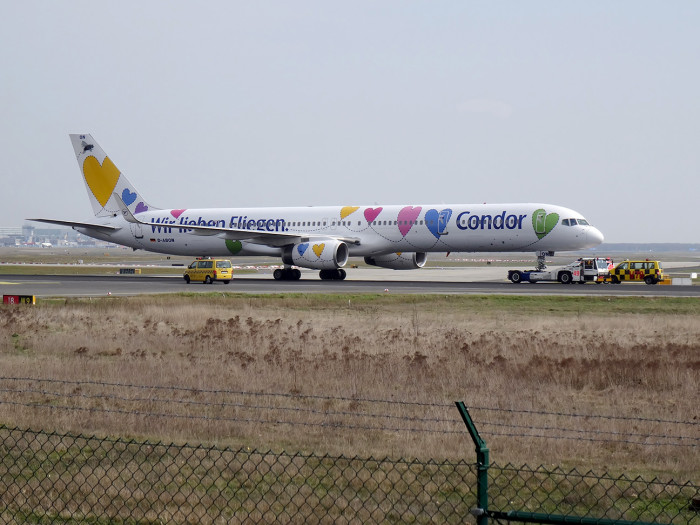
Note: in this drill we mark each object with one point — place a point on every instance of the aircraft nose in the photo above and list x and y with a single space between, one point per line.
594 236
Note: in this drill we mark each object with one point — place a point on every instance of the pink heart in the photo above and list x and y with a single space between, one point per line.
177 213
372 213
406 218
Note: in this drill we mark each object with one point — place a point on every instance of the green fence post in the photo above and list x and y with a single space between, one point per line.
482 466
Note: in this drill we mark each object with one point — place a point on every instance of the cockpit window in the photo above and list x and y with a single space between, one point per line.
574 222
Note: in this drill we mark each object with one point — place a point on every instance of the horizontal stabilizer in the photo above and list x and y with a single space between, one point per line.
102 228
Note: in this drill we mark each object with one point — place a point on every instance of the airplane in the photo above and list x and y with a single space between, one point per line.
319 237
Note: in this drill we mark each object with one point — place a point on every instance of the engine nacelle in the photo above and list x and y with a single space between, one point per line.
323 254
399 261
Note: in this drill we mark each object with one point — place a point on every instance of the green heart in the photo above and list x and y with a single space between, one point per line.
543 222
234 246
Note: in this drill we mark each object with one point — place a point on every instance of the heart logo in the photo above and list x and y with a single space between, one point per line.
100 178
348 210
234 246
407 217
544 222
301 248
436 221
431 221
318 249
128 197
177 213
372 213
141 207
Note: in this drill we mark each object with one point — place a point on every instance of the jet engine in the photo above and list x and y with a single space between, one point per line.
399 261
320 254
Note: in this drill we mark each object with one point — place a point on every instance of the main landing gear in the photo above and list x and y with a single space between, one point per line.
332 275
293 274
287 274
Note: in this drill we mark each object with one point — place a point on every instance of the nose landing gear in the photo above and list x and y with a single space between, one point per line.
541 262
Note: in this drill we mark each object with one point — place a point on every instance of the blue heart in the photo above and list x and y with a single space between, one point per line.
302 248
431 221
128 197
436 222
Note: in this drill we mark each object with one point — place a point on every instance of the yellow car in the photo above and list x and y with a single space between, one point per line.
209 270
629 271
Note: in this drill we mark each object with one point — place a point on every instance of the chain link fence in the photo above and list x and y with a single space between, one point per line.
546 495
62 478
55 478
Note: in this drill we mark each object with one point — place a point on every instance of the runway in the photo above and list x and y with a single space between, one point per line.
44 286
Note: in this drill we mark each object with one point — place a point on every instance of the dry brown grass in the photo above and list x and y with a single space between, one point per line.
522 354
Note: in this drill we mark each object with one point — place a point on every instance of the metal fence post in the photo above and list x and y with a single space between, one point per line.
482 465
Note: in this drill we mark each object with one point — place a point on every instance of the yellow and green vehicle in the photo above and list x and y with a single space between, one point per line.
647 271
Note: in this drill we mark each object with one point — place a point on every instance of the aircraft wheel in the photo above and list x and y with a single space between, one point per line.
342 274
296 274
277 274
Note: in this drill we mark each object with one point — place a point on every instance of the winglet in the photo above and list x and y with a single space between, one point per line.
125 210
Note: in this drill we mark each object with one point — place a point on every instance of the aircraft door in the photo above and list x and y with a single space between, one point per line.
136 230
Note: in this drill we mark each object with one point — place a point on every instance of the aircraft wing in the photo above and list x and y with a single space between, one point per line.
236 234
101 228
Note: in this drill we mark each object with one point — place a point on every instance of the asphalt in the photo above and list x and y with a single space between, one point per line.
481 280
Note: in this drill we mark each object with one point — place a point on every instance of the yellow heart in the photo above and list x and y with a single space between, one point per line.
101 179
347 210
318 249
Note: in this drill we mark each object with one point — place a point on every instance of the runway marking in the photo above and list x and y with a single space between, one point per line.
30 282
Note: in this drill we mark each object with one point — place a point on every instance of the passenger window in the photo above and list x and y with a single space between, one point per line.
624 266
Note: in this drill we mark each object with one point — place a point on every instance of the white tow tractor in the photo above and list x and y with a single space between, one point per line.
583 270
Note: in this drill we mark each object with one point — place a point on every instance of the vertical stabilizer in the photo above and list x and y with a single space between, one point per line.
102 179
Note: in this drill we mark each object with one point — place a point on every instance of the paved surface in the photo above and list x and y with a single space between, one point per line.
430 281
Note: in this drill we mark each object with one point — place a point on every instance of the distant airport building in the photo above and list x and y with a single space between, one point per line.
29 235
10 235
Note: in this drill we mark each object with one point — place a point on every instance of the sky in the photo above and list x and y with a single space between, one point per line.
591 105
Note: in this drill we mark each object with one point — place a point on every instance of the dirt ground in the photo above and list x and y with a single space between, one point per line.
583 383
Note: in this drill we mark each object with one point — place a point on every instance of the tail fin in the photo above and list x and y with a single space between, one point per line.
102 179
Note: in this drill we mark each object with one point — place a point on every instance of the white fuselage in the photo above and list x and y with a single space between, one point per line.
368 230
